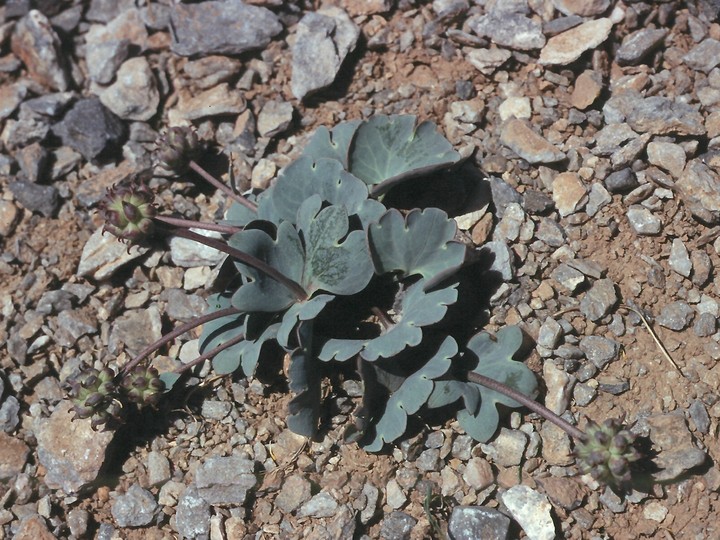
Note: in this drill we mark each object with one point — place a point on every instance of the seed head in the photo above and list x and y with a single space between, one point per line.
176 148
128 212
94 395
143 386
607 453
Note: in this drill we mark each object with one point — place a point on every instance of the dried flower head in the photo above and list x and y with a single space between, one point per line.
143 386
608 452
177 148
94 395
128 212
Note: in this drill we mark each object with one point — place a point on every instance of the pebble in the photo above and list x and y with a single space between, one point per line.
587 89
192 515
295 491
515 107
103 255
104 55
536 202
274 118
613 385
677 453
699 416
639 44
210 71
502 259
564 492
559 388
158 468
134 95
531 510
700 190
77 521
474 522
36 198
705 325
11 96
676 316
583 394
704 56
478 473
599 350
90 128
508 447
217 101
527 144
668 156
135 329
599 300
322 41
659 115
502 194
568 46
322 505
225 480
136 508
244 27
8 218
106 10
621 181
394 495
509 29
569 193
33 161
679 259
215 409
33 527
643 221
71 451
550 333
72 325
487 60
397 526
584 8
14 454
38 46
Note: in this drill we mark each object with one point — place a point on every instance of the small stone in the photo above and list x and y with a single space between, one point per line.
508 447
38 46
214 409
598 198
621 181
90 128
158 468
702 267
643 221
609 138
705 325
136 508
676 316
478 473
567 47
77 521
72 325
559 388
527 144
134 95
536 202
668 156
599 300
587 89
550 334
106 10
531 510
104 55
192 515
676 452
219 100
8 218
584 8
295 491
583 394
613 385
135 329
639 44
274 118
34 197
699 186
11 96
33 527
244 27
551 232
704 56
322 41
569 193
225 480
487 60
655 511
189 254
599 350
476 522
14 454
663 116
502 194
397 525
394 495
699 416
508 29
515 107
502 258
103 255
679 259
322 505
210 71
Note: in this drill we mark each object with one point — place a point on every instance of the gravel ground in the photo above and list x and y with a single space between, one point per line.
595 124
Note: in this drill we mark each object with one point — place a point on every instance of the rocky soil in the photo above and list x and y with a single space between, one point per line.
596 126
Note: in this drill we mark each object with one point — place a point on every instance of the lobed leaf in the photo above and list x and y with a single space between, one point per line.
304 382
333 144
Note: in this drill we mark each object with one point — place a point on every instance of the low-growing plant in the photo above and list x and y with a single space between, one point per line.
325 271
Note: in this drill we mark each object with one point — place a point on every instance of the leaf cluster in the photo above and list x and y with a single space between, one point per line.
346 279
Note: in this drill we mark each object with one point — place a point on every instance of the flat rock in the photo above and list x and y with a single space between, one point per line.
639 44
474 522
668 156
587 89
559 388
509 29
676 452
599 300
36 198
103 255
104 55
321 505
531 510
527 144
71 451
135 329
135 508
322 41
244 28
14 454
663 116
679 259
567 47
192 514
599 350
508 448
274 118
189 254
295 491
219 100
478 473
564 492
569 193
704 56
487 60
556 446
397 525
134 95
676 316
643 221
90 128
225 480
38 46
699 187
584 8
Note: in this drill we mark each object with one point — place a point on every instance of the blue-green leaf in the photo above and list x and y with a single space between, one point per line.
304 382
333 144
302 311
169 378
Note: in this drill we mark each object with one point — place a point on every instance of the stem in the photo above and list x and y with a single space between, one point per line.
188 223
293 286
180 330
382 317
211 353
222 187
531 404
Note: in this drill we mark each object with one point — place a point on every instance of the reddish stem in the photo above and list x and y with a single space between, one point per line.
222 187
189 223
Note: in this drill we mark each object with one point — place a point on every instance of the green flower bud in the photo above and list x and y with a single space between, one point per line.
143 386
128 212
176 148
94 395
607 453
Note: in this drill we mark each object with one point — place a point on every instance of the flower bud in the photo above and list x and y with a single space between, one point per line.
128 212
176 148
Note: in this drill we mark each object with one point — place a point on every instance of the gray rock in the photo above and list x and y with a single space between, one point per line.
536 202
397 526
568 277
55 301
192 515
72 325
676 452
274 118
394 495
136 508
77 521
613 501
679 259
559 388
508 447
104 56
190 254
598 198
428 460
599 350
613 385
295 491
676 316
699 416
502 258
106 10
702 267
705 325
134 95
214 409
182 306
474 522
704 56
621 181
583 394
699 186
507 29
36 198
368 510
244 28
527 144
103 255
610 137
225 480
321 505
51 105
531 510
663 116
33 161
550 334
71 451
90 128
599 300
135 329
637 45
38 46
503 194
568 46
323 40
668 156
158 468
11 96
643 221
487 60
447 9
